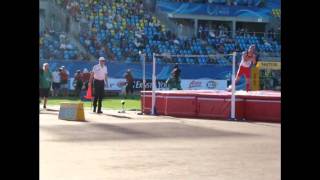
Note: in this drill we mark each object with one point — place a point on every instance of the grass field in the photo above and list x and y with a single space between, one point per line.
113 102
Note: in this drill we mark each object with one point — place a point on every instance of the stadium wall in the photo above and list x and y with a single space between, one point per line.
117 69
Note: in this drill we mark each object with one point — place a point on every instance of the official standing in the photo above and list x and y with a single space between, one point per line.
98 76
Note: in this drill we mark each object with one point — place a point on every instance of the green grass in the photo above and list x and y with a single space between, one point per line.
108 102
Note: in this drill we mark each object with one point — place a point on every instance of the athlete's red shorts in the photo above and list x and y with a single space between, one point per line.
244 71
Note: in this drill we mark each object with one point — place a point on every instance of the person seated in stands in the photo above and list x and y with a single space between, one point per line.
261 4
237 47
221 48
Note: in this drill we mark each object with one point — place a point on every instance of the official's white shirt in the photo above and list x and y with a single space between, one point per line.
99 72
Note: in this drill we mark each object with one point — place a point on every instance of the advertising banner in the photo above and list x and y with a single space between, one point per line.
115 84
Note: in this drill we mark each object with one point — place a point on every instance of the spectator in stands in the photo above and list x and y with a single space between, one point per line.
221 30
62 38
221 48
261 4
211 33
129 83
87 42
270 33
200 32
241 32
51 32
45 83
246 32
235 2
174 81
254 34
278 34
273 34
40 41
180 31
237 47
99 78
266 43
63 46
56 79
206 31
245 2
64 81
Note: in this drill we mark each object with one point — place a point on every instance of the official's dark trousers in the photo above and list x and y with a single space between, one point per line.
98 90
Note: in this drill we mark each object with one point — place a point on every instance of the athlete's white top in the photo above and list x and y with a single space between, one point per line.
247 63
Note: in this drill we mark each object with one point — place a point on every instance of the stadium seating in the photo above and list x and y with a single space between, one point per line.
52 46
120 29
257 3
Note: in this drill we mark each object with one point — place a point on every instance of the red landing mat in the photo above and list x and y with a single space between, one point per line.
262 106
